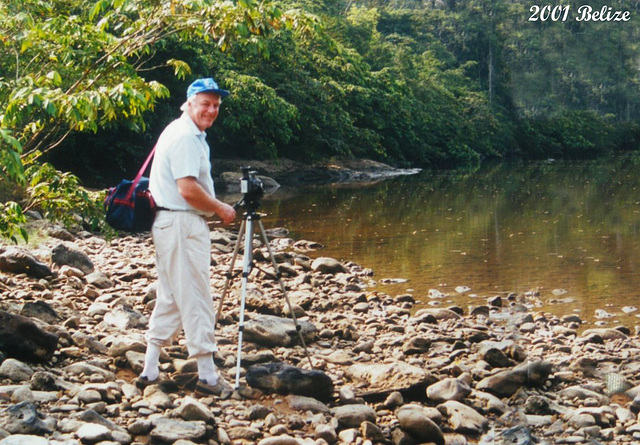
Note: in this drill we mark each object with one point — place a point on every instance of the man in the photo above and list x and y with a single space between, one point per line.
182 187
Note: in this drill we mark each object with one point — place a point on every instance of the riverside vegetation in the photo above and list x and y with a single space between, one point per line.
87 85
75 307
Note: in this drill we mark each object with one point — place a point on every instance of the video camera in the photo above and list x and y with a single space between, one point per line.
252 188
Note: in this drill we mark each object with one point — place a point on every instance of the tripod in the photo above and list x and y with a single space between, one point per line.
247 232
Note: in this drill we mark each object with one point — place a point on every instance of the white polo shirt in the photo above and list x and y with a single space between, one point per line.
181 151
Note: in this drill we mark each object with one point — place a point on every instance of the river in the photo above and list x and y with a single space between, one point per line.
563 236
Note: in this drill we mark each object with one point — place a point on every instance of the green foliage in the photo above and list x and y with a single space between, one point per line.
425 83
257 121
570 135
12 221
59 197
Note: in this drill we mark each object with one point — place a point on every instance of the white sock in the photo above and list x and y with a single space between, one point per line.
207 369
152 362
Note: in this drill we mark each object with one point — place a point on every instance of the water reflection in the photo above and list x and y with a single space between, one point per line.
546 226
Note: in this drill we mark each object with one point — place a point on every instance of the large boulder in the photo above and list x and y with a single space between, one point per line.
507 383
16 260
285 379
21 338
66 254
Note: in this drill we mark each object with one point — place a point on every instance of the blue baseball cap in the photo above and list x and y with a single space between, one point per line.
206 85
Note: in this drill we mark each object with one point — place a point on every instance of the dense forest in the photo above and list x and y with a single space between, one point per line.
86 86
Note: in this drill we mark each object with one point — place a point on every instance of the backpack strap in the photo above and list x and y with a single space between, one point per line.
140 173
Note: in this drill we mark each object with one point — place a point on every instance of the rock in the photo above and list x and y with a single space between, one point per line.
22 339
89 369
17 260
326 433
448 389
24 418
352 416
415 421
24 439
192 409
391 376
371 431
15 370
41 311
125 318
518 435
69 255
605 333
416 345
438 314
172 430
286 379
267 330
279 440
99 280
506 383
496 358
92 433
463 419
301 403
329 266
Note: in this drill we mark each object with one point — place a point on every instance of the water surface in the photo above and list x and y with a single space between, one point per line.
565 231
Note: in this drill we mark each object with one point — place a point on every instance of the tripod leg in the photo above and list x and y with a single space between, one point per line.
246 270
230 273
284 291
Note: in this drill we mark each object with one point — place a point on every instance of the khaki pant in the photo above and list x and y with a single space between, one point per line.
183 257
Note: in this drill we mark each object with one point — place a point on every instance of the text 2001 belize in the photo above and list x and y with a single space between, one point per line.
584 13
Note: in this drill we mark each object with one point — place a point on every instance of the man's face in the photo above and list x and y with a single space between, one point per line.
204 109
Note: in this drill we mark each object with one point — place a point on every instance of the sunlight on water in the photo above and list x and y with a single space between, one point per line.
567 233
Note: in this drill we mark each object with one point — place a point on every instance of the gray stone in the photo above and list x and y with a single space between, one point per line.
414 420
99 280
17 260
388 376
92 433
125 318
41 311
463 419
172 430
279 440
24 439
506 383
301 403
24 418
270 331
68 254
448 389
326 432
330 266
351 416
88 369
192 409
15 370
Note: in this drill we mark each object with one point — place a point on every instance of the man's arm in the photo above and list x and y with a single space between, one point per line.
197 197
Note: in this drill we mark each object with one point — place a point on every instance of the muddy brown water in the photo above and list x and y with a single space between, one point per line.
564 235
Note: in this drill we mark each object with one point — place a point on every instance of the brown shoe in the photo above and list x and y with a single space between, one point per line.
221 388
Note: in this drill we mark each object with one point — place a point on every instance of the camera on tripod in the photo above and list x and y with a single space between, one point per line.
252 188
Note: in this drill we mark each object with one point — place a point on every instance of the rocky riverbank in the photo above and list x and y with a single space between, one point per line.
74 310
294 173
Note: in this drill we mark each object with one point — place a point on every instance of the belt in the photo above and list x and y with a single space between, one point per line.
164 209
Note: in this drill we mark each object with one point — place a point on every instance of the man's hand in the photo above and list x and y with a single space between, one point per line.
197 197
226 213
